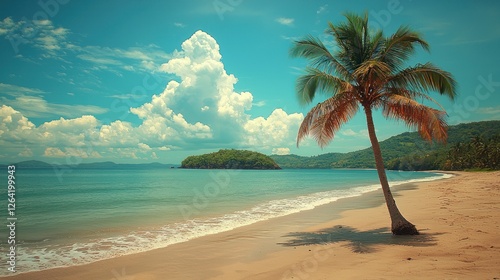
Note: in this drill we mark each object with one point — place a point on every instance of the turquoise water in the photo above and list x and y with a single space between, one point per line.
87 215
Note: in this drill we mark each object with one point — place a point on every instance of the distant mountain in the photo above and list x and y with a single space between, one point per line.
31 164
36 164
230 159
399 146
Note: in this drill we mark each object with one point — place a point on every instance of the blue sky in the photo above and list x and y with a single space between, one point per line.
146 81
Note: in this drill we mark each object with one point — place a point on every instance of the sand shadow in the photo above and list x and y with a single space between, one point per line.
358 241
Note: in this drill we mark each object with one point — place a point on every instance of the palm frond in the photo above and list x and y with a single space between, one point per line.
377 43
372 71
351 37
429 122
315 81
326 118
410 94
367 69
320 57
400 46
425 78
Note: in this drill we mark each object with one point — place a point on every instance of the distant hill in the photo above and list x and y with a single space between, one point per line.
230 159
32 164
36 164
399 146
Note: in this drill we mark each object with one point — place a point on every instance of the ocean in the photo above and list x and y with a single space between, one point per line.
85 215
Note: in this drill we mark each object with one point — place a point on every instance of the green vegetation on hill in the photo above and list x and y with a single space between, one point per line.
230 159
408 151
479 153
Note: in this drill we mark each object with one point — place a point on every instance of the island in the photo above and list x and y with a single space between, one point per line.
230 159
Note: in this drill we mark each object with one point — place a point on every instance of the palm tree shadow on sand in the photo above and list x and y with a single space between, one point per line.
358 241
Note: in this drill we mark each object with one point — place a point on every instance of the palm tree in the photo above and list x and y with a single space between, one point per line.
367 70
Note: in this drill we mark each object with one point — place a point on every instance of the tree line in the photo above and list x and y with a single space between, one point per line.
480 153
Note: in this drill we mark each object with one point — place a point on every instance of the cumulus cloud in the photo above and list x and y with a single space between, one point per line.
77 132
118 134
281 151
144 147
13 125
204 104
52 152
279 127
27 152
198 110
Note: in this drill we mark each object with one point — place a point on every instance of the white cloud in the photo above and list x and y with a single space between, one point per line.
259 104
178 24
285 21
154 156
281 151
278 129
144 147
99 60
322 9
128 68
349 132
131 59
52 40
27 152
41 34
118 134
77 132
54 152
490 110
199 110
49 37
14 126
15 90
128 96
35 106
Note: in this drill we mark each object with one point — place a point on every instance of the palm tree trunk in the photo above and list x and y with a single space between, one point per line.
400 226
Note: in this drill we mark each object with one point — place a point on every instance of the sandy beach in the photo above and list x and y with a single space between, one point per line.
458 219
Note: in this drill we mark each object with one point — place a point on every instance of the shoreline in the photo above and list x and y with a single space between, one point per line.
266 245
297 203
